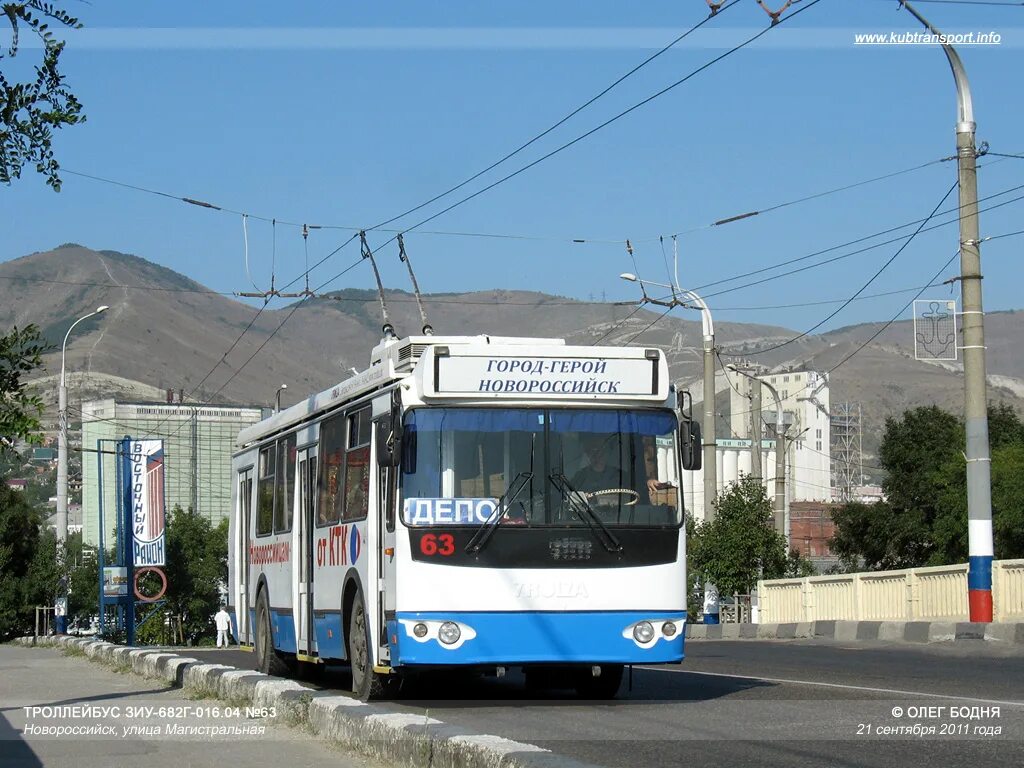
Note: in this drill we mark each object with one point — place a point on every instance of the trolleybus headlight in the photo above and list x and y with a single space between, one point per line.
420 630
668 629
449 633
643 632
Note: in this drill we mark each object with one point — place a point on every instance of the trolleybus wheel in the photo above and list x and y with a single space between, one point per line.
270 663
366 683
604 686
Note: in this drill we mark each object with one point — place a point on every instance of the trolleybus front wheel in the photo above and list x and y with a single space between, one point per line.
366 683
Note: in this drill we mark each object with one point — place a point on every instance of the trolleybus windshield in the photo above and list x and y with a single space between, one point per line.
457 463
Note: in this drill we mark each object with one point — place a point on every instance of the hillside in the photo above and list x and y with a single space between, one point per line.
165 331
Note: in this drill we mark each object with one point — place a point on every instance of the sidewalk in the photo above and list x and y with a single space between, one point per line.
99 705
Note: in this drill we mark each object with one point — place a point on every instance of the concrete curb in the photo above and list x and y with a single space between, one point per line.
397 738
851 631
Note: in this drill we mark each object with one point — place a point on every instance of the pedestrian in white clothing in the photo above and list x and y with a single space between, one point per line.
223 621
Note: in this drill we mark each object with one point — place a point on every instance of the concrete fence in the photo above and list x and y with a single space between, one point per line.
913 594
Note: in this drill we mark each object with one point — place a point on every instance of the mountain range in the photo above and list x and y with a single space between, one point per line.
165 331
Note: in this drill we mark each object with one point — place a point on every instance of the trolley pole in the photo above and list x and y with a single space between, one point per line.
979 488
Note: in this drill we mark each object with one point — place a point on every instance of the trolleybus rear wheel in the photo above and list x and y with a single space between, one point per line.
270 662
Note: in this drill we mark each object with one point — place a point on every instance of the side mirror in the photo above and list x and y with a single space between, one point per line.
389 439
690 446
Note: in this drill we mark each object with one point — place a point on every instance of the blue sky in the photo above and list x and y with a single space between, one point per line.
346 113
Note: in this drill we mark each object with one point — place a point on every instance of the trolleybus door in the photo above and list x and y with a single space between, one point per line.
384 541
242 535
307 513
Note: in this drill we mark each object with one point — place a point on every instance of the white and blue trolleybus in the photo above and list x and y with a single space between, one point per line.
474 502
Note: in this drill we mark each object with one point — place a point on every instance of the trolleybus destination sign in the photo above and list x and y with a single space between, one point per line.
533 376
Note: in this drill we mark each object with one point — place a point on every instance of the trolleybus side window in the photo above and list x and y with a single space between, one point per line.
332 464
265 491
357 466
284 497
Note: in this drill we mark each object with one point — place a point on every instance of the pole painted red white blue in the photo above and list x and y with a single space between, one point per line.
979 570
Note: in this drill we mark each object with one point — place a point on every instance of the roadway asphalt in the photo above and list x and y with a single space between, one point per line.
794 703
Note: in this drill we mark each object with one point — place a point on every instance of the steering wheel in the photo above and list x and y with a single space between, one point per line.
619 491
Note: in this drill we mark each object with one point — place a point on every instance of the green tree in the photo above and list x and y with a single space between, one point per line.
877 537
1008 500
197 568
32 109
83 580
19 543
21 352
924 518
740 545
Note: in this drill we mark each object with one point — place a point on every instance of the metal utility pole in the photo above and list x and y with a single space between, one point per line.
710 444
979 488
755 428
680 298
779 505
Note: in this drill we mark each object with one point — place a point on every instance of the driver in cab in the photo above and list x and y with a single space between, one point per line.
603 474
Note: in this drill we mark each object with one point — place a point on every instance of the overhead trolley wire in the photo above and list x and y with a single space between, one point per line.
852 253
856 241
864 287
611 120
534 237
824 262
894 318
563 120
539 160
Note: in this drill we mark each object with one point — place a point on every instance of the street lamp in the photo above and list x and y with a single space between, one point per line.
277 397
694 301
979 486
62 451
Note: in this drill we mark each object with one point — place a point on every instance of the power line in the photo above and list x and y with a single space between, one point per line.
875 276
805 304
825 261
897 315
612 119
851 253
892 320
648 326
280 326
993 3
872 236
562 121
568 239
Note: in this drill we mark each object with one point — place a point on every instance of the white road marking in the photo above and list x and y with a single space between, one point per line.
841 686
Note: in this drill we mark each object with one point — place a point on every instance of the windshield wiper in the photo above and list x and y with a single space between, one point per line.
578 501
483 533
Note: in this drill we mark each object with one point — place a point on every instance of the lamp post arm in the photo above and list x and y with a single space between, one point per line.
707 321
64 345
778 405
965 106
